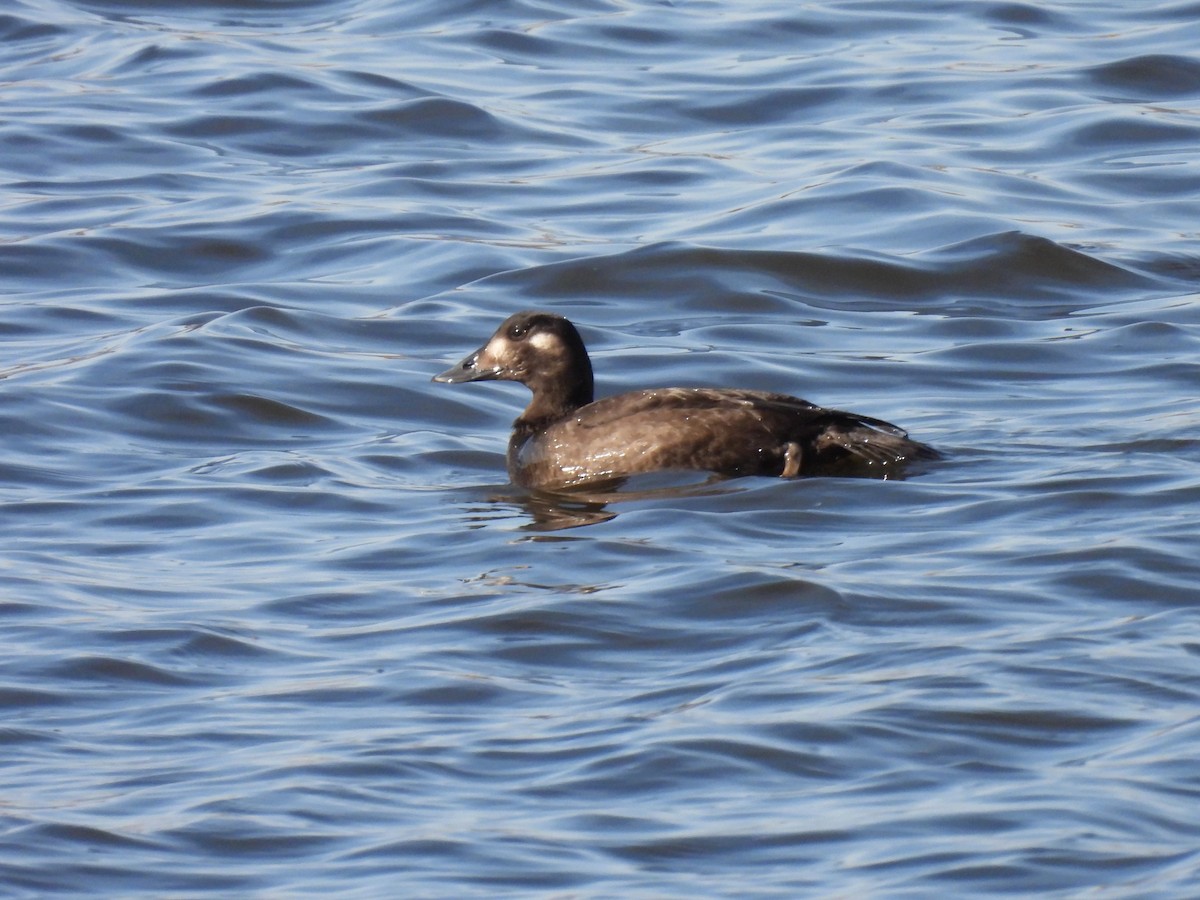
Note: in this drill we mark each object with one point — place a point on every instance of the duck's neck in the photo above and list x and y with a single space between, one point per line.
557 397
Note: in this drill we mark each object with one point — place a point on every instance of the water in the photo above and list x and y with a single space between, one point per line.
274 623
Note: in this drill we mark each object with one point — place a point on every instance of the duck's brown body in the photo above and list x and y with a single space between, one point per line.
565 439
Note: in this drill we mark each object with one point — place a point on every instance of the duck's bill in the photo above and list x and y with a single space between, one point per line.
468 370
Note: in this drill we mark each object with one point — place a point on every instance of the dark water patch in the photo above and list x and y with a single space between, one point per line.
270 136
178 257
694 847
731 108
157 57
265 83
174 185
1126 578
310 606
302 474
233 13
751 594
449 697
214 418
1031 727
343 697
1131 135
73 835
14 29
34 262
515 47
1150 77
20 737
265 411
191 645
76 877
15 699
42 154
254 841
166 516
317 230
450 15
444 118
100 671
380 83
1035 18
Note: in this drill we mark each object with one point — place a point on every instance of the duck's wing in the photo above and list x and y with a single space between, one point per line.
741 431
675 400
778 411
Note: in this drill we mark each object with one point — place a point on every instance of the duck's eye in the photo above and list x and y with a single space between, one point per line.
518 331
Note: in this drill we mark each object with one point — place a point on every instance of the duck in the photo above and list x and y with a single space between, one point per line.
566 439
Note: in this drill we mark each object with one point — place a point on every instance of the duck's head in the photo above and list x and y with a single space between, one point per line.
541 350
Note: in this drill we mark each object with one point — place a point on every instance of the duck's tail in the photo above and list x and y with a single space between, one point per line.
870 447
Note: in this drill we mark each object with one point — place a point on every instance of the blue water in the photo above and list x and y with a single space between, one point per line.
274 623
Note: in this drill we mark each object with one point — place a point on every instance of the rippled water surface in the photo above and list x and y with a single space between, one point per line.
275 624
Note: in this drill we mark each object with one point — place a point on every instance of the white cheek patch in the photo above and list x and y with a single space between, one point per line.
543 341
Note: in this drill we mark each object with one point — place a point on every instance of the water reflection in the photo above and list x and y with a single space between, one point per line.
592 503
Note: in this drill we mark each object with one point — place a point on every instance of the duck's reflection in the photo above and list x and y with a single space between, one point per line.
590 504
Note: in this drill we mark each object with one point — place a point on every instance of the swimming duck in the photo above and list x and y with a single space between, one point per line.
566 438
